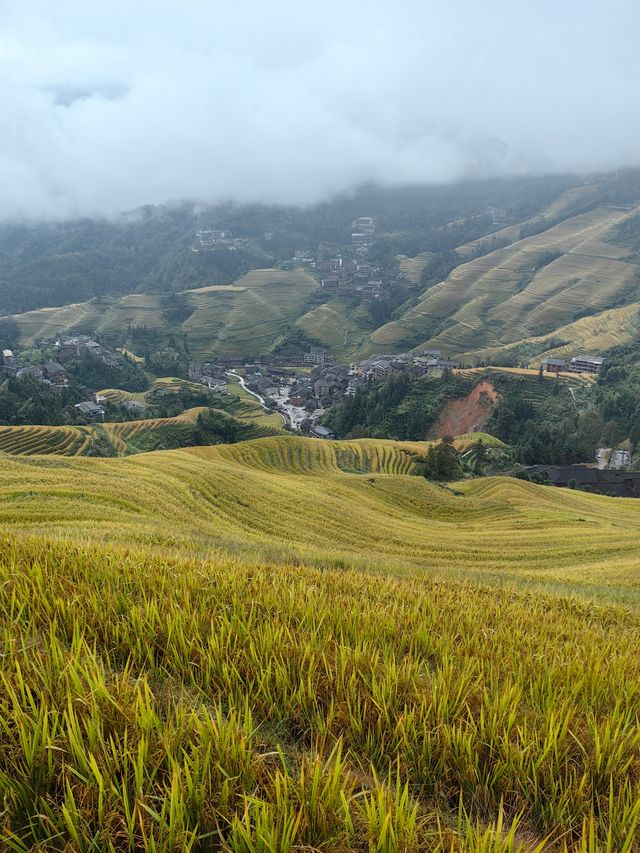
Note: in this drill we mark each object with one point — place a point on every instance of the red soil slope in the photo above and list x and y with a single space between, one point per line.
468 414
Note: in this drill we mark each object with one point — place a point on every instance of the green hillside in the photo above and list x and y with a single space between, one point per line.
570 287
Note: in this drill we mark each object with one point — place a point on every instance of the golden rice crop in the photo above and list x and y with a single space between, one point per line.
166 704
291 644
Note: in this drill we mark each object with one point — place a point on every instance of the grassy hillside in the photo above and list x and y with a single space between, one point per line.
530 288
291 644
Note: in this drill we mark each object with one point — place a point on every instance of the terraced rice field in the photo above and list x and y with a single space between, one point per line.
269 491
292 645
506 296
117 395
159 389
593 334
578 378
50 322
563 205
412 268
336 325
36 440
127 437
254 313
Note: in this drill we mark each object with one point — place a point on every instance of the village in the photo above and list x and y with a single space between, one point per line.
354 277
301 386
53 373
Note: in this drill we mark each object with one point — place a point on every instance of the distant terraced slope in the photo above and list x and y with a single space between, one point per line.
527 289
339 326
248 316
562 206
596 333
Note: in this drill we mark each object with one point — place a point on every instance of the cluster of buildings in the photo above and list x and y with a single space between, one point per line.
614 483
54 373
215 238
69 347
381 367
612 458
357 278
363 231
578 364
212 375
498 216
303 398
51 373
323 387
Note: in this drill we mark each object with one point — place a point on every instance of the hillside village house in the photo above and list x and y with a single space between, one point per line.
585 364
366 224
578 364
603 482
55 373
69 347
90 410
319 431
318 356
612 458
553 365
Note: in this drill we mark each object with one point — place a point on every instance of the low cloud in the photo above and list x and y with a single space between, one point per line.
108 107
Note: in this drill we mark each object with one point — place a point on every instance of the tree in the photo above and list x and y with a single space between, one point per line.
479 455
440 463
215 428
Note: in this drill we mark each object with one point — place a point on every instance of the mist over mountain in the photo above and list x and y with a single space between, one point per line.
104 109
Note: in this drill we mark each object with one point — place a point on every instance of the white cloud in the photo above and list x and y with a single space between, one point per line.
104 107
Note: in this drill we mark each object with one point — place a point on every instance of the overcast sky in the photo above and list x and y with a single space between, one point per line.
105 106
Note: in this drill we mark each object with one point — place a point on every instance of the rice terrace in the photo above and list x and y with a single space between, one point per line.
419 683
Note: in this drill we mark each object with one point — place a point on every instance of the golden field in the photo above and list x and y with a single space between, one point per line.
289 644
